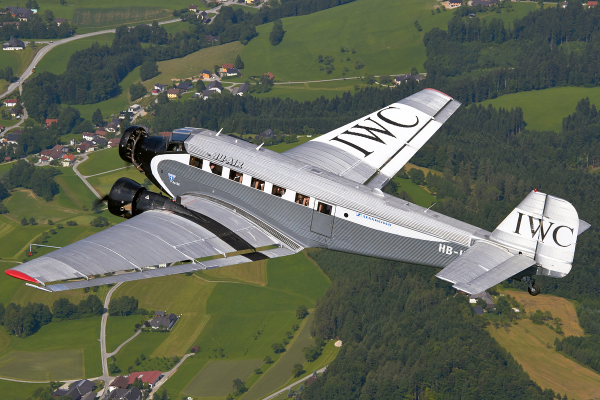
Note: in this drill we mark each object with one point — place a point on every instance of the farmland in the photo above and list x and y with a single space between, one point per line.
545 109
216 377
102 161
18 60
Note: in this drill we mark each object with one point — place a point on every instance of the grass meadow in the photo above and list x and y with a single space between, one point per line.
102 161
119 329
544 110
103 183
18 390
18 60
215 379
281 147
255 272
533 347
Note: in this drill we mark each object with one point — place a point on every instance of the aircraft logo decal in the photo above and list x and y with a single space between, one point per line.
171 177
540 228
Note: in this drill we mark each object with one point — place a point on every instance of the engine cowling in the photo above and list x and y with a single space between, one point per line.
127 198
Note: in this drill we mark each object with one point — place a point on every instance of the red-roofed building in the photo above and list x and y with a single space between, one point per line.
67 160
149 377
6 159
227 66
101 134
85 147
60 147
592 4
10 103
51 121
113 143
44 158
270 75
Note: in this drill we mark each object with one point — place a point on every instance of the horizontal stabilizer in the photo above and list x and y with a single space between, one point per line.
583 226
483 266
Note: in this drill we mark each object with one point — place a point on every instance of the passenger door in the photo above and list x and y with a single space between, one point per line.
322 218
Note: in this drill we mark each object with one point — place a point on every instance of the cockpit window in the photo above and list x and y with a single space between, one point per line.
196 162
258 184
278 191
236 176
216 169
302 199
324 208
179 136
175 146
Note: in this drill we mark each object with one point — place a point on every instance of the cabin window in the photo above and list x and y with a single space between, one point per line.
302 199
216 169
175 146
324 208
196 162
258 184
236 176
278 191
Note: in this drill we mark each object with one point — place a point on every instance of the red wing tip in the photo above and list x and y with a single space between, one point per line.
20 275
435 90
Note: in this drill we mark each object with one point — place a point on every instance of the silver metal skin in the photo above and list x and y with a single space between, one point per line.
248 203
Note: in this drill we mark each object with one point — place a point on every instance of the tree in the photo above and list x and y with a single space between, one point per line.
48 16
24 221
122 306
301 312
414 71
238 63
137 90
200 86
277 33
417 176
311 353
149 69
258 371
267 359
278 348
297 370
99 221
359 64
239 386
97 118
63 308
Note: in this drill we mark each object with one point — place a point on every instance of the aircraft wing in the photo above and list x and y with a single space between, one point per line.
159 237
483 266
377 146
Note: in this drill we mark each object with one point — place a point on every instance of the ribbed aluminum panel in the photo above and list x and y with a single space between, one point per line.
533 204
323 155
447 111
561 210
427 101
503 271
475 262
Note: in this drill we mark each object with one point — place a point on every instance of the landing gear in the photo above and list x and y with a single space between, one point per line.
533 288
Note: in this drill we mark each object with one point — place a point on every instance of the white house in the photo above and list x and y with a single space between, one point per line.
10 103
134 108
13 44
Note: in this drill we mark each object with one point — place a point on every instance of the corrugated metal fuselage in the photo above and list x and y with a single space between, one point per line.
362 221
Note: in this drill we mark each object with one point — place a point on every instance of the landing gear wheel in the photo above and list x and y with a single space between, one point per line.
534 289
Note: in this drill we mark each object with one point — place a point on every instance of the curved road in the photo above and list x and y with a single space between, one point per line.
104 358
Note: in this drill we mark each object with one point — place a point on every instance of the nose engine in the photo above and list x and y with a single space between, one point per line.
127 198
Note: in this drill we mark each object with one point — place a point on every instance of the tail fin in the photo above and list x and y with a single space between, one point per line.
544 228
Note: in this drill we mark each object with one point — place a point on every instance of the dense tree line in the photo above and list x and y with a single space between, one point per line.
36 28
25 320
40 180
406 335
549 47
122 306
63 309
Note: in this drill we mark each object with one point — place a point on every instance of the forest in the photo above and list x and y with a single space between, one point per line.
26 175
36 27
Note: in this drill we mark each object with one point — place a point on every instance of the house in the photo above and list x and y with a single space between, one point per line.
100 141
61 148
592 4
240 90
160 313
12 138
59 21
10 103
166 321
68 160
111 127
215 86
123 115
52 154
155 92
149 377
51 121
564 4
270 75
233 72
134 108
194 8
89 396
23 14
205 74
17 131
120 382
212 39
195 349
268 133
13 44
126 394
87 136
227 66
478 310
406 77
203 15
485 296
160 87
100 133
116 121
206 94
76 390
250 1
6 159
113 143
185 86
15 112
85 147
44 159
453 4
174 93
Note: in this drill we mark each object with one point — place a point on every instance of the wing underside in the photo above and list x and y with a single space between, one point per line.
136 248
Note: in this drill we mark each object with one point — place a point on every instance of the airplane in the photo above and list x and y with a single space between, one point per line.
231 202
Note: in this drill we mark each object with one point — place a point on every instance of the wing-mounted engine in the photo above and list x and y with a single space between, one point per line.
132 138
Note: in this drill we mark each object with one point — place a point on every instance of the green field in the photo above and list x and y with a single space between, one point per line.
144 343
281 147
520 10
72 346
544 110
119 329
57 59
314 90
18 390
245 8
193 64
18 60
420 196
102 161
388 44
73 192
215 379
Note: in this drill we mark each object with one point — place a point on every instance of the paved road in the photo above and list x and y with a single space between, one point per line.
167 374
23 118
105 375
108 355
44 50
287 388
85 157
